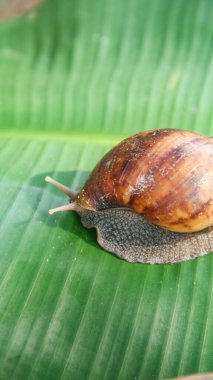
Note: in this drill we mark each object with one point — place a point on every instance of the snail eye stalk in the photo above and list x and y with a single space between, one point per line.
70 193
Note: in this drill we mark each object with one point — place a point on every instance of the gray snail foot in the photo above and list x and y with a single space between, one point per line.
132 238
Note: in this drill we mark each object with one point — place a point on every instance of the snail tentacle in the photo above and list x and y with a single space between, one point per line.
68 207
71 193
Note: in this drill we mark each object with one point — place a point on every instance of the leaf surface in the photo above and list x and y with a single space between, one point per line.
75 78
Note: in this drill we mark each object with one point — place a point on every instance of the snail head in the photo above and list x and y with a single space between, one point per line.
72 194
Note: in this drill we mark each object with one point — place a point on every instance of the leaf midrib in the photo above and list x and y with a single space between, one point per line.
99 138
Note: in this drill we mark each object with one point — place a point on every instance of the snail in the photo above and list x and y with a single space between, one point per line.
150 198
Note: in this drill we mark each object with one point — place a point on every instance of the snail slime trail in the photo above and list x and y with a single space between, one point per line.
150 198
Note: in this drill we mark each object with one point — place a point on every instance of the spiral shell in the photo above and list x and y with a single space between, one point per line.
165 175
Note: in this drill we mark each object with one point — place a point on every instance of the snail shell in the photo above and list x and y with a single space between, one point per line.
165 175
151 197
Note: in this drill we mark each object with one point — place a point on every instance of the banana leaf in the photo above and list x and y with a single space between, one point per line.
76 77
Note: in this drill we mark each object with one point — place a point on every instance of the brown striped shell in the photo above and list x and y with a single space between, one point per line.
165 175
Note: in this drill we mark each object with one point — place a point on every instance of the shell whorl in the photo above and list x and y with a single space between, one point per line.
165 175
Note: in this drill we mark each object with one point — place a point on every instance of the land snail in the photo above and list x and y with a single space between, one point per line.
150 198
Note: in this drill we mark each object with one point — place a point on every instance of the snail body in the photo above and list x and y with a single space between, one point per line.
160 180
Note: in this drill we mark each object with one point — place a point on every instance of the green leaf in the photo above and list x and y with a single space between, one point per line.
75 78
